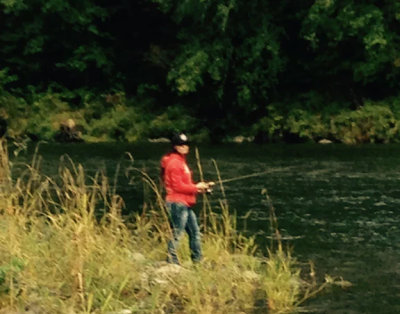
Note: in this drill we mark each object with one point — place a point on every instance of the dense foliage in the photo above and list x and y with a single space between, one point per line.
281 70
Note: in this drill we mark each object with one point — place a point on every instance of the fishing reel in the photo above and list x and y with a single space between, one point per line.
209 190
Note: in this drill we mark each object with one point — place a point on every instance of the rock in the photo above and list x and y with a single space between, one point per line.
241 139
68 132
138 257
144 280
238 139
159 140
163 274
168 270
160 281
70 124
325 141
251 275
342 283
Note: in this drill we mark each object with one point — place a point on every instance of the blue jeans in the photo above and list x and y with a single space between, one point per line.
183 218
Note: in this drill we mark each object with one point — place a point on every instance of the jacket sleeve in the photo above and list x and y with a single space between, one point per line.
174 170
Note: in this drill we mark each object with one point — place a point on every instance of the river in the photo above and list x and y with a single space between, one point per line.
336 205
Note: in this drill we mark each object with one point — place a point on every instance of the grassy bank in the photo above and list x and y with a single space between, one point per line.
58 255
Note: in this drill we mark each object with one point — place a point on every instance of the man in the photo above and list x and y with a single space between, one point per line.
181 196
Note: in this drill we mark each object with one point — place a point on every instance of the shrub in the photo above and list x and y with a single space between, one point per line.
369 124
372 123
271 127
306 124
174 119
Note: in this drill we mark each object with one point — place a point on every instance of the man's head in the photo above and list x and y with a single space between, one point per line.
180 143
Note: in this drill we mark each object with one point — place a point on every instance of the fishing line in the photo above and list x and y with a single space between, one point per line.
253 175
209 190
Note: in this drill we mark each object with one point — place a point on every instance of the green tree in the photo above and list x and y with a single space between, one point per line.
355 44
229 54
47 41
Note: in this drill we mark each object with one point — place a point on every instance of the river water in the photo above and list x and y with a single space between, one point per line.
336 205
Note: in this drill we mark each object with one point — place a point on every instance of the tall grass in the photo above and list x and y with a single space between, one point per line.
58 256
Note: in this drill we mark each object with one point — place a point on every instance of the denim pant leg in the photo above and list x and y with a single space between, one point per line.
193 230
178 219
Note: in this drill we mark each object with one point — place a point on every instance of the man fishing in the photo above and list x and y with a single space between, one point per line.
181 196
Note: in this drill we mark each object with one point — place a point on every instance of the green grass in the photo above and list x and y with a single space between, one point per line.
57 256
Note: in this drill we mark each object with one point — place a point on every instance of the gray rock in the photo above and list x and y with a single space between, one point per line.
169 270
325 141
160 281
251 275
162 275
240 139
159 140
138 257
145 280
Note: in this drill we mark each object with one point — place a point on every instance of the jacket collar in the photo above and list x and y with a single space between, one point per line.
178 156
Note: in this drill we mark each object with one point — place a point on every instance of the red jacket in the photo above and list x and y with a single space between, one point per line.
178 180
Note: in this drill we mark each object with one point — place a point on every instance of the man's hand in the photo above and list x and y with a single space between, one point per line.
204 187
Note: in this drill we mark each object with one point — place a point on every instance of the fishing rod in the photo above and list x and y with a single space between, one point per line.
258 174
253 175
